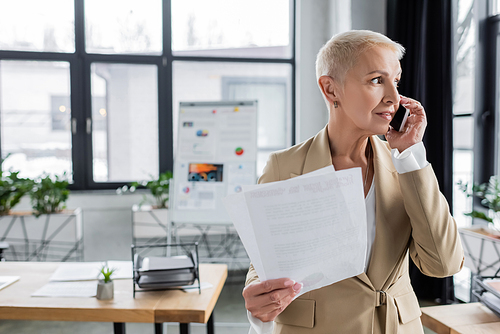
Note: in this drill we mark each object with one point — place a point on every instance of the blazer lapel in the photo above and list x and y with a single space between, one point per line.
391 232
391 237
319 154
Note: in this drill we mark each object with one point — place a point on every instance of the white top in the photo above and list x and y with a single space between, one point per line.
411 159
370 221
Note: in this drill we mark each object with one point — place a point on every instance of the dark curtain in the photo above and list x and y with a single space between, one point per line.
425 29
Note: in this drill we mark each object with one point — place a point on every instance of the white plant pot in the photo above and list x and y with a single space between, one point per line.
105 291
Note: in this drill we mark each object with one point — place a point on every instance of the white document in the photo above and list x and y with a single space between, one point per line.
5 281
123 269
67 289
83 271
77 271
311 229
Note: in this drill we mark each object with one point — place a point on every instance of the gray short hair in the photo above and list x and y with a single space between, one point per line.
342 51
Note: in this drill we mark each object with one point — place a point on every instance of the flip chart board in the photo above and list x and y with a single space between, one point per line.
215 156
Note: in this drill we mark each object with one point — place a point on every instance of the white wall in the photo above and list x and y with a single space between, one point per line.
107 217
369 14
317 21
107 222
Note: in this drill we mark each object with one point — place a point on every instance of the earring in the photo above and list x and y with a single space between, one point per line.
335 104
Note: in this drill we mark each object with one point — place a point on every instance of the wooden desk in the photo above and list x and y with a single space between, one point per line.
156 307
460 319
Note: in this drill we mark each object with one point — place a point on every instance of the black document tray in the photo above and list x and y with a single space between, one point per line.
486 294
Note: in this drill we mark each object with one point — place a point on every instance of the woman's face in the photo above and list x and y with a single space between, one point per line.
370 96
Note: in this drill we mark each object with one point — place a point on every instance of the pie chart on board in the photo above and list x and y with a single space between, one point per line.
239 151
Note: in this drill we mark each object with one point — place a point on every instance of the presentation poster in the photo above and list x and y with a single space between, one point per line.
215 156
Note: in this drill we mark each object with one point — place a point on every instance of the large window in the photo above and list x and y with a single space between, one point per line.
91 88
463 105
493 80
257 28
476 107
35 131
463 122
37 25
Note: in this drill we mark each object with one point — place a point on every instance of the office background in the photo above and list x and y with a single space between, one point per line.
61 81
32 92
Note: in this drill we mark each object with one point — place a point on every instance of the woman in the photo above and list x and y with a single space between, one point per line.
358 74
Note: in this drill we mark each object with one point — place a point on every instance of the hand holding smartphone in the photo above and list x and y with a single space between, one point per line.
399 120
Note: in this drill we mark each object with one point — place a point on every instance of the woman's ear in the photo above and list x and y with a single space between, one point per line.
329 88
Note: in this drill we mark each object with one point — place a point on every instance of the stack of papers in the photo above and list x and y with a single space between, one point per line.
163 272
311 228
67 289
5 281
69 278
82 271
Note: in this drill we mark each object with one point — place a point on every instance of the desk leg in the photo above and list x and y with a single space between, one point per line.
210 324
119 327
184 328
159 328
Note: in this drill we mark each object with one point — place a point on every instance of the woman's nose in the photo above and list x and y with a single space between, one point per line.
391 95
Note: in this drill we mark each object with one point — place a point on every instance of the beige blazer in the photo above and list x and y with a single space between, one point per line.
412 217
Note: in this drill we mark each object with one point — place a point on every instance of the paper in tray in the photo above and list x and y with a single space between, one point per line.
179 278
492 302
490 294
491 285
494 284
163 273
166 263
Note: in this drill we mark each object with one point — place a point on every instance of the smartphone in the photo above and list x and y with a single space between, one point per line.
399 120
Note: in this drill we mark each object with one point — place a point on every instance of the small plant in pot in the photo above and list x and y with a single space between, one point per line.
12 189
489 193
49 195
159 189
105 289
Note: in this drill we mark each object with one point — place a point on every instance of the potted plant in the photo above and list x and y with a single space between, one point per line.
489 193
48 195
159 189
12 189
481 243
55 236
105 289
150 223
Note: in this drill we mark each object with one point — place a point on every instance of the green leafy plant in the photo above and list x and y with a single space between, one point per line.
488 192
159 189
49 195
107 272
12 189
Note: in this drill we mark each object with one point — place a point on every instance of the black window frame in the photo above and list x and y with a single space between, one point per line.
80 89
486 88
487 84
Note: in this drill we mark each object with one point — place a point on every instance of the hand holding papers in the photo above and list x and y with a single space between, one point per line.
311 229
